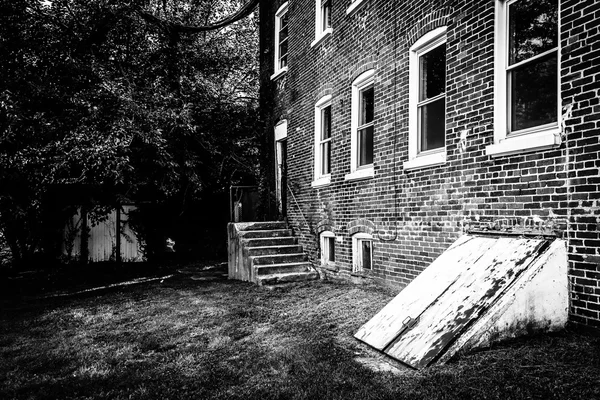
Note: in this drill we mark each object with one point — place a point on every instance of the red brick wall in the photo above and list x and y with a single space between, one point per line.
416 214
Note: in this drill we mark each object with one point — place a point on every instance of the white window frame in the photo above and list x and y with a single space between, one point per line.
320 179
364 81
357 238
354 6
532 139
426 43
323 237
278 16
320 32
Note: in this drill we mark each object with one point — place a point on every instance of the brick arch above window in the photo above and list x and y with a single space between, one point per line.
324 90
361 225
324 225
431 21
361 67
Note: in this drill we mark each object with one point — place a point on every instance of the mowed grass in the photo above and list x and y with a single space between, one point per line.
184 339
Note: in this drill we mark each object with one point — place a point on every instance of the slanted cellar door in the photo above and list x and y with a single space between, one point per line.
482 289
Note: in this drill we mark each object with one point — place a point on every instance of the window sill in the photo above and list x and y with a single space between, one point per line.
354 6
426 161
362 274
529 142
329 267
321 36
323 181
279 73
359 174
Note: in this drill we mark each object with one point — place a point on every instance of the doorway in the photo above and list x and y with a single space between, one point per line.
281 168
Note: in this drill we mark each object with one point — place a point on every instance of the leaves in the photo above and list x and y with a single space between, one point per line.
95 96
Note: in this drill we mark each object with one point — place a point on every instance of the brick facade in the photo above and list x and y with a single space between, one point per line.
414 215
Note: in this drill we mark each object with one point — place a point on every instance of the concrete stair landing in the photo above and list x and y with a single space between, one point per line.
267 253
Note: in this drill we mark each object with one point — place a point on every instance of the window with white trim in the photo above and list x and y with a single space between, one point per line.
322 20
281 40
322 141
362 252
427 100
327 241
527 81
362 127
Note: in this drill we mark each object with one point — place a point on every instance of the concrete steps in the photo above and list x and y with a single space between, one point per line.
275 279
271 255
284 241
262 234
275 269
274 250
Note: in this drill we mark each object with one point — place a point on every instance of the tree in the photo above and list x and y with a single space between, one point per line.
121 101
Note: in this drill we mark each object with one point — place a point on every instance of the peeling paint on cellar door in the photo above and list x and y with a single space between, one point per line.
431 313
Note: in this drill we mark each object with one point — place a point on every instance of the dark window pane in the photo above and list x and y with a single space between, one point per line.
432 125
366 254
331 249
325 158
326 123
365 146
366 106
283 61
283 49
326 14
533 28
432 73
283 21
534 98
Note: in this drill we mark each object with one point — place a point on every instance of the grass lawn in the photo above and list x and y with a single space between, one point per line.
185 339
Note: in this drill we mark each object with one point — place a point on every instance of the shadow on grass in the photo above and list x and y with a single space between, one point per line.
182 339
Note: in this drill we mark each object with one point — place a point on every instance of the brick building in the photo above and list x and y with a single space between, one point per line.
396 126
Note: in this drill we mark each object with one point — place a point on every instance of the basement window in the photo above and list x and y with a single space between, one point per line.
527 80
362 253
327 249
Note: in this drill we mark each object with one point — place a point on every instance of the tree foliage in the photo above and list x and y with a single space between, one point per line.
95 96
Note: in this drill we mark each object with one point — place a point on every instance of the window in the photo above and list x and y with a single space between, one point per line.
366 98
322 142
328 249
427 101
362 126
526 98
362 252
281 41
322 20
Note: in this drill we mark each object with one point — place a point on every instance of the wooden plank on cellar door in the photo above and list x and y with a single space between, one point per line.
419 323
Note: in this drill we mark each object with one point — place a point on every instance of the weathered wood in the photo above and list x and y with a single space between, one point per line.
384 327
477 286
537 302
106 241
431 313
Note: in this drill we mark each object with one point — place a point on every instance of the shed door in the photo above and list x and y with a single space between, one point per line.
437 306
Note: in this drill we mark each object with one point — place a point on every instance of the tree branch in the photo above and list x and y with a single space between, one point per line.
238 15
